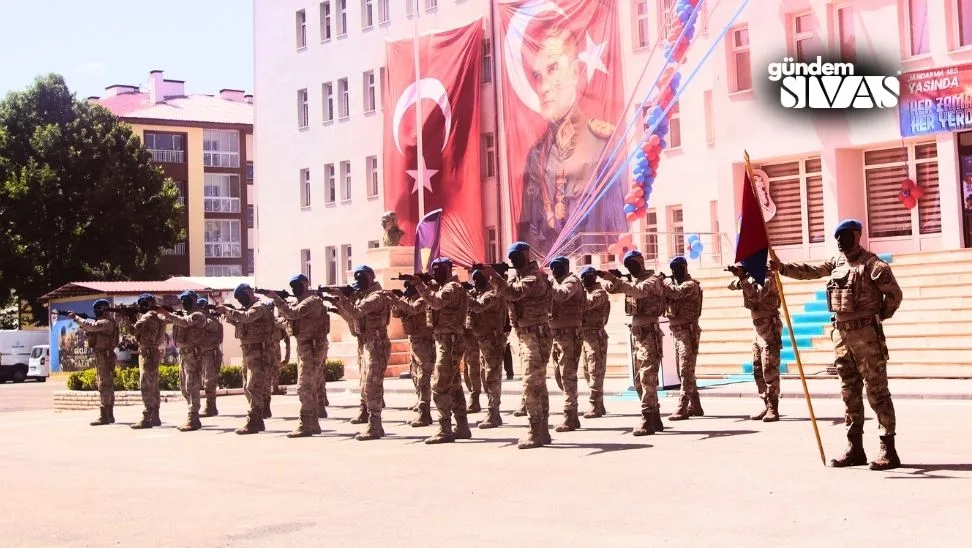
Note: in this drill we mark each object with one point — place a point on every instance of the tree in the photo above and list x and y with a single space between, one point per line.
79 196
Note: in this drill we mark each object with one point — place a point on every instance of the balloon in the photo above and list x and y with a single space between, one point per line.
697 246
653 140
638 192
630 217
628 208
692 238
639 203
663 145
677 78
910 202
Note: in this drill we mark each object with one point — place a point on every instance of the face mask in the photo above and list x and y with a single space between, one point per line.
845 241
143 306
518 260
589 281
440 274
634 267
187 304
99 312
245 300
481 282
361 281
559 270
679 272
297 288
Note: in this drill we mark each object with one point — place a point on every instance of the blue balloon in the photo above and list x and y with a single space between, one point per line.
697 246
692 238
693 255
677 78
662 144
628 208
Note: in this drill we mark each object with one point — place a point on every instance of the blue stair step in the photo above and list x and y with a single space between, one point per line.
748 368
815 330
803 341
886 257
811 317
815 306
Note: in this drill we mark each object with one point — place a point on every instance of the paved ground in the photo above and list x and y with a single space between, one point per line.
29 395
719 480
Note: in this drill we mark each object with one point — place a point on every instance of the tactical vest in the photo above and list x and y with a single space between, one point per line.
533 310
761 307
451 318
376 320
849 291
213 335
416 325
260 331
681 313
597 319
106 340
570 312
151 333
312 328
651 307
489 321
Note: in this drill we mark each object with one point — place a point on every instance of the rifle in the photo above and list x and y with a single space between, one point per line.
619 274
424 276
129 311
68 314
500 268
282 293
345 290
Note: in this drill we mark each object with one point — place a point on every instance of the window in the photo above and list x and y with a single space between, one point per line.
674 126
342 21
367 14
249 172
330 186
491 253
178 249
221 193
741 71
676 238
431 5
301 29
250 222
222 238
410 7
709 122
666 14
345 181
371 169
221 148
305 188
964 17
166 148
796 189
651 235
346 262
918 26
372 244
487 76
884 170
181 187
250 262
368 90
344 99
224 270
384 12
305 263
489 156
330 254
844 33
327 98
303 111
806 42
325 21
642 34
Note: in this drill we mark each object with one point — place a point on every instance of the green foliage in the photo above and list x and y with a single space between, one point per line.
333 370
230 376
288 374
126 378
79 196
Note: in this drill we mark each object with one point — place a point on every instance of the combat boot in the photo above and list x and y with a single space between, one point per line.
102 417
656 420
545 431
156 421
462 431
383 402
362 415
854 455
772 410
254 423
492 419
374 430
596 411
304 428
600 408
695 406
474 403
681 412
315 423
571 422
192 422
444 435
278 392
888 457
322 412
111 414
647 427
266 408
210 410
759 416
326 402
423 416
534 437
146 421
521 412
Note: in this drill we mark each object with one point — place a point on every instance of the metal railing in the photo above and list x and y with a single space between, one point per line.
221 205
228 250
178 249
168 156
657 247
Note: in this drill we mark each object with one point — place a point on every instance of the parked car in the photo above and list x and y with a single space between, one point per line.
39 365
15 350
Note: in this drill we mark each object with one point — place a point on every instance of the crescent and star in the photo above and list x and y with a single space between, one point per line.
426 88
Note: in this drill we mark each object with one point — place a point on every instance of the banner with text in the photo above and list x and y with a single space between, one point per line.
936 100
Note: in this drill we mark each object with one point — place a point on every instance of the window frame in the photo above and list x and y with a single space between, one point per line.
735 51
303 108
909 43
233 245
330 184
304 180
373 183
342 18
836 32
344 99
367 12
345 181
300 20
368 92
230 181
217 136
488 158
797 37
326 21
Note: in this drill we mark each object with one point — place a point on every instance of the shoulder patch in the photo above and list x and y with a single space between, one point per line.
601 128
880 271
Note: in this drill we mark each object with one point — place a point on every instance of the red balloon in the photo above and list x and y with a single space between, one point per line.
637 191
910 202
636 187
653 140
630 217
641 212
639 203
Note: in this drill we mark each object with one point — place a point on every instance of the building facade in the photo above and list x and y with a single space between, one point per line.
319 73
204 144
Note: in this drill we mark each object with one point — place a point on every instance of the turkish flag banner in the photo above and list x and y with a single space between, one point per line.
447 96
562 97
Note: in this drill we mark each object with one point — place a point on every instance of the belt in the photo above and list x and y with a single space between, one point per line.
311 341
247 346
680 325
420 338
536 328
448 335
851 325
564 330
644 320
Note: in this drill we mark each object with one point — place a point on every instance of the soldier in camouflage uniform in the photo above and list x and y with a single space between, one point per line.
763 302
569 300
683 308
644 302
189 332
278 356
370 310
530 299
862 293
210 357
487 320
310 324
102 332
472 373
255 326
594 339
447 302
150 334
413 311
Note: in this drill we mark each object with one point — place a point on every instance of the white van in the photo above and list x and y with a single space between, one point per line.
15 349
39 365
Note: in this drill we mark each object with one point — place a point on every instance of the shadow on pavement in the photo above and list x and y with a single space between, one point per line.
832 420
708 434
623 429
925 471
599 448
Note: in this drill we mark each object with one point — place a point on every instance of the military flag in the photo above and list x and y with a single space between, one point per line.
427 240
752 246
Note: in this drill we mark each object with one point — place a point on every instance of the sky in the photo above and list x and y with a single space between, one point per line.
96 43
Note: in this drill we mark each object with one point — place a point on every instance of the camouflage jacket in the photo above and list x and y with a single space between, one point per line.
529 296
644 298
683 302
569 301
150 331
447 306
597 308
308 318
763 301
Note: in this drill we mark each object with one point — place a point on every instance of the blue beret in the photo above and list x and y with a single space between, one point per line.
101 302
365 269
633 254
442 260
476 273
678 260
239 290
588 270
560 260
203 301
299 278
146 297
517 247
848 224
192 295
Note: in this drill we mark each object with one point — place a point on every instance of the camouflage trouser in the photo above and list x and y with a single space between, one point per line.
374 351
566 350
686 351
860 363
148 376
446 380
491 351
273 374
190 378
321 379
471 364
209 370
535 346
105 376
648 353
595 347
310 368
766 356
421 362
255 363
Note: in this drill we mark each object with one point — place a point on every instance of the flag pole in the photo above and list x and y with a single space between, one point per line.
786 313
420 158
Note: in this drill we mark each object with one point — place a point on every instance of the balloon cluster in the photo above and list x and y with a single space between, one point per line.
694 246
910 193
648 155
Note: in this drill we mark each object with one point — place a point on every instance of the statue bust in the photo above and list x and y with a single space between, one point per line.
393 234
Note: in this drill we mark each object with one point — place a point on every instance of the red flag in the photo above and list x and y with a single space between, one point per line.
752 247
448 88
562 98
